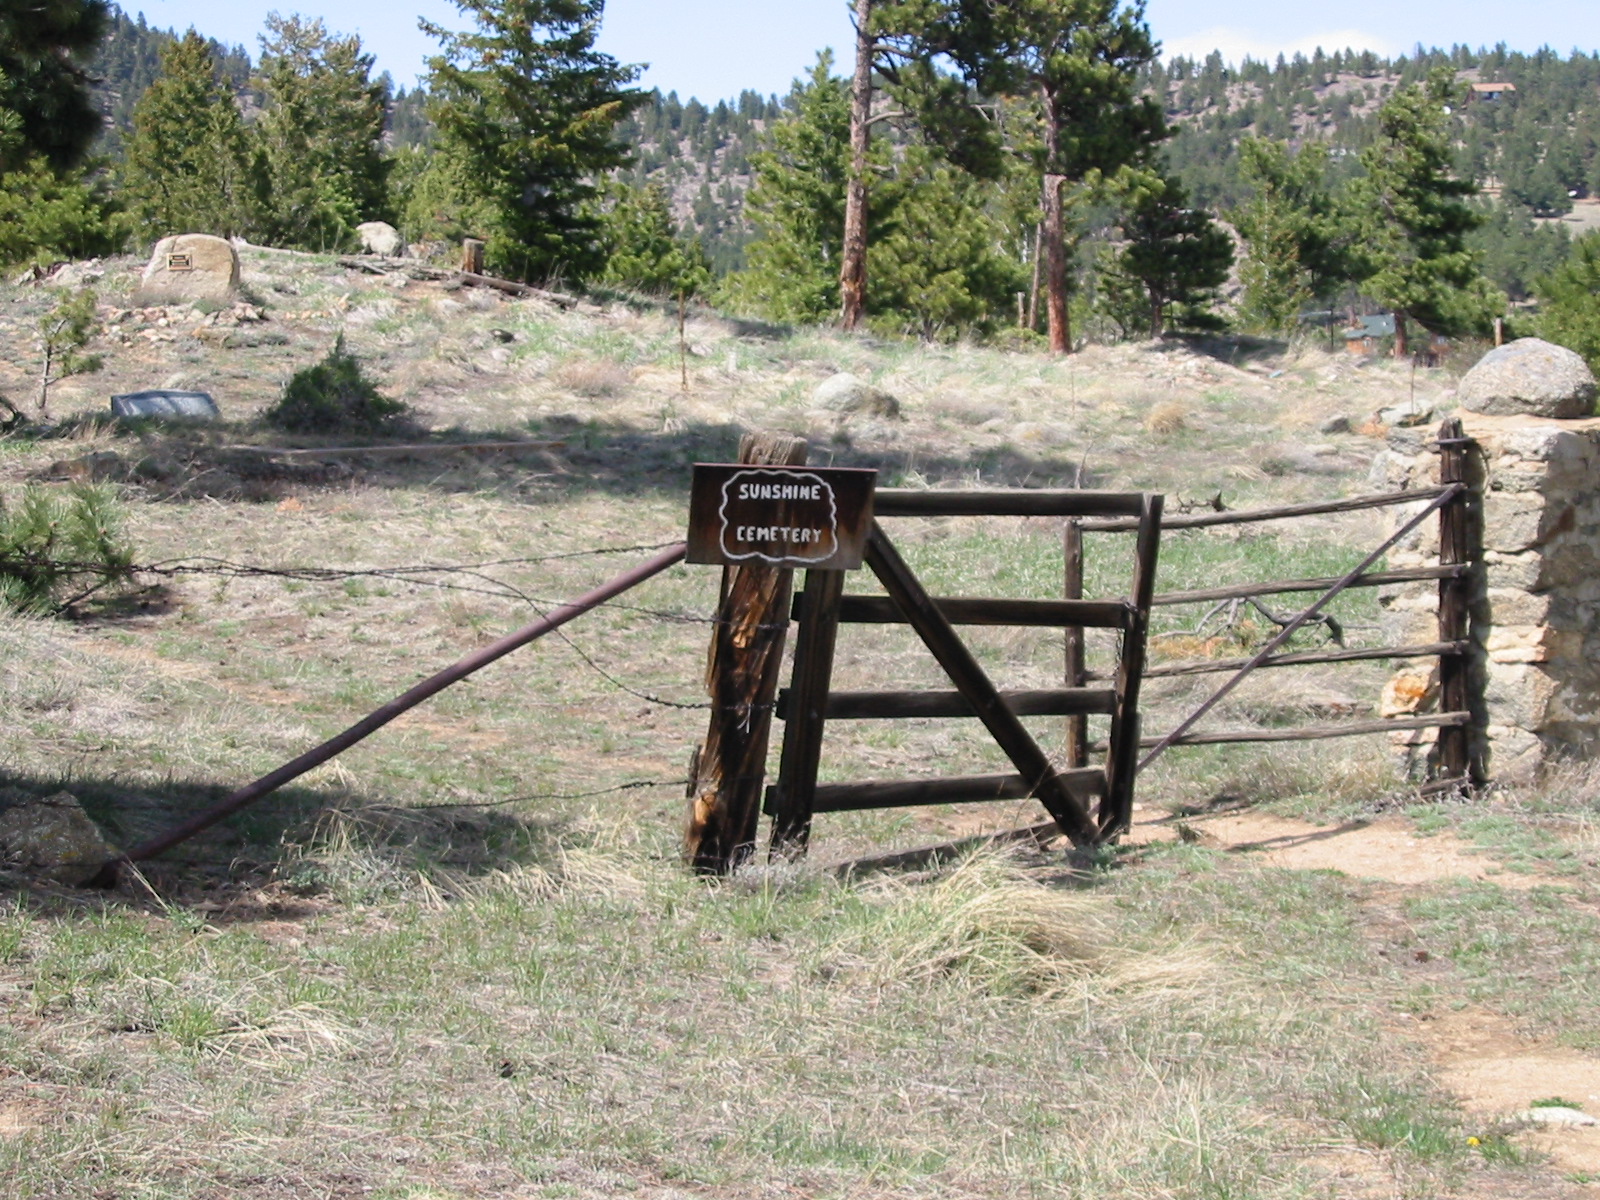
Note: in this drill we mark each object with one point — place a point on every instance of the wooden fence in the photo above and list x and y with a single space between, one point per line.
1457 762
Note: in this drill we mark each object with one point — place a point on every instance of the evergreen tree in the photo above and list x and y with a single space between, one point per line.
526 110
45 46
321 135
1081 60
190 167
797 204
643 251
48 215
937 264
1414 218
1569 301
1175 254
1292 231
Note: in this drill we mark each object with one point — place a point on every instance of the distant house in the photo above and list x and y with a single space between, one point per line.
1367 335
1370 333
1492 91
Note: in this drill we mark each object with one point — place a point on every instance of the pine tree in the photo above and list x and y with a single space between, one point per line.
937 264
797 204
1414 218
526 110
45 46
190 167
321 135
1175 253
643 251
903 40
1569 301
1081 61
1294 238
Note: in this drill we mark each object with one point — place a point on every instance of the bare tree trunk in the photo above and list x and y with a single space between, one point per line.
1055 251
1033 290
44 376
853 259
1402 343
1055 234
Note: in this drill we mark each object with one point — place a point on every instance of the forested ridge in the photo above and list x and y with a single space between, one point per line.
1542 143
931 193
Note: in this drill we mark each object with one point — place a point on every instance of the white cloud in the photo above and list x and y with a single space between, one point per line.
1236 44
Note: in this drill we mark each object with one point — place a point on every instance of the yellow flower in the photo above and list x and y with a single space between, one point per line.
1472 1141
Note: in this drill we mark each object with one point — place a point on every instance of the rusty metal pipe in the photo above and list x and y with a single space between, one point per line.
377 719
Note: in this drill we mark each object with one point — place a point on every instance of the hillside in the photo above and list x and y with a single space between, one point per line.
461 961
1536 149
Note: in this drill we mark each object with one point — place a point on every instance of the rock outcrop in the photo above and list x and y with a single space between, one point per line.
1529 377
190 266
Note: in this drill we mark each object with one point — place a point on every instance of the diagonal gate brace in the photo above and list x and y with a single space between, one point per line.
936 632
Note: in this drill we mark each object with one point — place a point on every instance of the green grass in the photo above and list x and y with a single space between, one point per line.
1533 955
596 1013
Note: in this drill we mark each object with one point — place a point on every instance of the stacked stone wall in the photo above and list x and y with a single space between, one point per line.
1536 602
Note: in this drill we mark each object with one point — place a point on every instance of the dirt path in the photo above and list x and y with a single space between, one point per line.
1387 848
1476 1052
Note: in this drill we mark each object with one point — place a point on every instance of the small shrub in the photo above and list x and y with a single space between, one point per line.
593 378
1166 418
56 549
335 397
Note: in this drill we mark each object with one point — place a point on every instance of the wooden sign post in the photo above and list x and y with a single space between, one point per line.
759 519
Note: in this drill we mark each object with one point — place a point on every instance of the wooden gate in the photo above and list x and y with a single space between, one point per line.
1457 762
1090 804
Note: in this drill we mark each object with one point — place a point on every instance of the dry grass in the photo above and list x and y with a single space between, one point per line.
593 379
439 968
1167 418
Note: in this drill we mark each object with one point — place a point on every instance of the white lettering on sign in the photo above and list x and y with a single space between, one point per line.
801 517
780 491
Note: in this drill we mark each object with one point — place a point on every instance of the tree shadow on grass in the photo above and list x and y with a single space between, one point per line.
1238 349
592 456
301 842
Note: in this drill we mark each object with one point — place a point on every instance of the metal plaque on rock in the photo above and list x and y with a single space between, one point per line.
814 517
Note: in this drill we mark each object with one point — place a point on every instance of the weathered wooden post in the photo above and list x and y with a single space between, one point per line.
1457 760
729 769
472 256
1075 676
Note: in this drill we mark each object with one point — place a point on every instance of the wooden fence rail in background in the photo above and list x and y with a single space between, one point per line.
1459 562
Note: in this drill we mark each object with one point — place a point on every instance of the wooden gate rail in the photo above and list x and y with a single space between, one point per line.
1308 733
1245 516
1455 571
1068 795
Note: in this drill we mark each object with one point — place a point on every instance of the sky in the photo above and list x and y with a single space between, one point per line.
715 48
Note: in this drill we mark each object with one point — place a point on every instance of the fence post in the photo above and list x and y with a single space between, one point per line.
1078 724
729 768
1457 546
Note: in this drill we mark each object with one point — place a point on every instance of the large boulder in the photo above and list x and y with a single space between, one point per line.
844 393
380 237
51 836
190 266
1529 377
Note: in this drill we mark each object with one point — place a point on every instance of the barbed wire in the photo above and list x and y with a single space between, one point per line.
632 785
417 575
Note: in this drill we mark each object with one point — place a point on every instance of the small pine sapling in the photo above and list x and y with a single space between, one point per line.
334 396
57 549
63 333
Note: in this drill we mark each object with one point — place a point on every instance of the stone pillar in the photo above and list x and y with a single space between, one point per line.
1536 618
